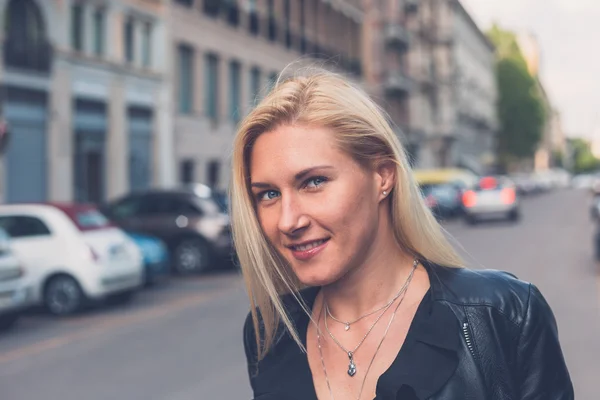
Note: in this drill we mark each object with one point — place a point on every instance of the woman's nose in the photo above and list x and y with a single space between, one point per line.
292 218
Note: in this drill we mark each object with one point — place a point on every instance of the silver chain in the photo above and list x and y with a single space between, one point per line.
415 264
348 323
402 290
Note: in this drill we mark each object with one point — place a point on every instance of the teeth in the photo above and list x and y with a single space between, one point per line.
309 246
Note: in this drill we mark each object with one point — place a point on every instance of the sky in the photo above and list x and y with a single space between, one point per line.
568 32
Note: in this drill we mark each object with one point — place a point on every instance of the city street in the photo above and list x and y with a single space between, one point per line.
183 340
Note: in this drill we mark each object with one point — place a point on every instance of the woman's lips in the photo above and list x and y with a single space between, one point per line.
305 255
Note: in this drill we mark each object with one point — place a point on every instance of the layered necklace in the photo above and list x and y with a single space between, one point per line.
350 353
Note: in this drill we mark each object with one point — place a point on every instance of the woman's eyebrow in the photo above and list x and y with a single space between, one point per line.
299 176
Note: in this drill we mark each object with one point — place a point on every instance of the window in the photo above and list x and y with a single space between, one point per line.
254 85
186 171
23 226
147 45
234 91
169 205
186 79
272 80
272 25
99 32
77 27
287 15
126 208
129 40
212 87
214 169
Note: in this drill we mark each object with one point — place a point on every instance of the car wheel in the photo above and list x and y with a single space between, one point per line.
6 321
63 296
191 256
514 216
471 220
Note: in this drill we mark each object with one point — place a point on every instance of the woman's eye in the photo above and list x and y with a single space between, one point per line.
315 182
268 195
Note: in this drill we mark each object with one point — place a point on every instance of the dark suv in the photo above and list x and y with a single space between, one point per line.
194 228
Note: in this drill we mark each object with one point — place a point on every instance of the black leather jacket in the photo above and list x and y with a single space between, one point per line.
511 348
488 336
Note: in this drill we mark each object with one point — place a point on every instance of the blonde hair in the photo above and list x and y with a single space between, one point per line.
326 100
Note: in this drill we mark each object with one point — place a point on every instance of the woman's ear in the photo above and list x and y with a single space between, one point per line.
386 177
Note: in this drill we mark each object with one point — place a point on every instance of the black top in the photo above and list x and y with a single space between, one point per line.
477 334
285 374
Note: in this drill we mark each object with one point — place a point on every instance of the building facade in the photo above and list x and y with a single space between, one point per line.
475 95
83 92
452 107
385 60
227 56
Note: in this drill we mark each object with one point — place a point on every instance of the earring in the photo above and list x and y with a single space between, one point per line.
384 193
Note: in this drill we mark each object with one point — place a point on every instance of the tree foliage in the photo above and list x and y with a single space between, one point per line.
520 106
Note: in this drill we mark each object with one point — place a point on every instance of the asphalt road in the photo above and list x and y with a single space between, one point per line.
182 340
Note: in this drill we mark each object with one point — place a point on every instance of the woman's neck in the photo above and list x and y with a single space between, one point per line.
372 284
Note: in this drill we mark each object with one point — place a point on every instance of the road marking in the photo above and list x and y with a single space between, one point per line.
112 323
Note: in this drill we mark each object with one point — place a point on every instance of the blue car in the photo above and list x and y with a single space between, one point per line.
156 257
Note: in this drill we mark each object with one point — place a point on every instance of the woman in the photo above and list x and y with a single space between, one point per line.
354 291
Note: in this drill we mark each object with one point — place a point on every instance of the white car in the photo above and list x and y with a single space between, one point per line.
72 253
491 198
15 291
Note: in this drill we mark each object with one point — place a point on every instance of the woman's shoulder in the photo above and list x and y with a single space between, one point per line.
496 289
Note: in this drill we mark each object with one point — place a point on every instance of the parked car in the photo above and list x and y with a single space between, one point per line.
15 288
444 200
443 189
195 230
73 254
155 255
492 197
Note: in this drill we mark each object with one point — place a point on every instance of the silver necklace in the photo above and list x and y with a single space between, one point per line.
352 365
347 324
372 359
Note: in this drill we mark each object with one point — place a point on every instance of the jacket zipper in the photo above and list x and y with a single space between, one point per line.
467 336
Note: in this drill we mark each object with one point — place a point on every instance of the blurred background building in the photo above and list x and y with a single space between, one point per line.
228 55
103 97
453 114
85 97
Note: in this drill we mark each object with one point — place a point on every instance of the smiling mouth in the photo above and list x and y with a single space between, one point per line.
308 246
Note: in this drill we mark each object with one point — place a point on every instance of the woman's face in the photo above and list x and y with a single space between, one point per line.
316 205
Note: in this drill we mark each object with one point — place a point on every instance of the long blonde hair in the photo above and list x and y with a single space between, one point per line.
326 100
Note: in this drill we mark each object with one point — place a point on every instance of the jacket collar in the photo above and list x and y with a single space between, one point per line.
429 356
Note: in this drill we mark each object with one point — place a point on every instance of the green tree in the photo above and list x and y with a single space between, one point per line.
583 158
520 107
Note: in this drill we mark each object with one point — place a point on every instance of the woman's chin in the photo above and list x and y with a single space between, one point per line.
317 276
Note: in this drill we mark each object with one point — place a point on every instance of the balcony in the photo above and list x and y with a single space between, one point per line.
397 35
396 83
411 6
28 56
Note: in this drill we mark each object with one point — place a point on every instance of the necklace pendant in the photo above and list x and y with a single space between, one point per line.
347 327
351 366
